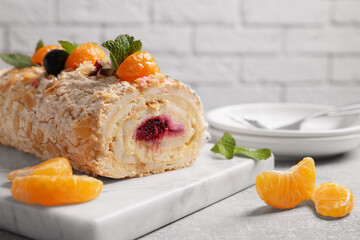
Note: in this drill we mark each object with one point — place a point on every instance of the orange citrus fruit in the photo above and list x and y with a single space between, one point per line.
332 199
139 64
286 189
54 166
84 52
55 190
39 54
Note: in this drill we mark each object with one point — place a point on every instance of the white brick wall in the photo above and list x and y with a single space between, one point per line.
228 94
231 40
201 70
347 11
325 40
332 95
196 11
230 51
24 11
288 70
165 39
103 11
2 39
24 39
293 12
2 46
346 69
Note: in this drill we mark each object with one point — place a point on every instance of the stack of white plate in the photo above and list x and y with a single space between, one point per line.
320 137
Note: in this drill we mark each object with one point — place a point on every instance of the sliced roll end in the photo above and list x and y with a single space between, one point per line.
158 127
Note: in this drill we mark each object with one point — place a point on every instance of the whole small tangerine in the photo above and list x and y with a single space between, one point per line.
137 65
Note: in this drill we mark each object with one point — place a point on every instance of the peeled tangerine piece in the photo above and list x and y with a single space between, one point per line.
51 183
286 189
54 166
55 190
332 199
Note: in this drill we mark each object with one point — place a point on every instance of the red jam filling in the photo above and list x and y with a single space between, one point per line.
155 128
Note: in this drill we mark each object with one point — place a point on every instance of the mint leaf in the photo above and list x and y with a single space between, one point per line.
120 48
259 154
124 40
225 146
117 52
39 44
135 46
75 44
68 46
17 60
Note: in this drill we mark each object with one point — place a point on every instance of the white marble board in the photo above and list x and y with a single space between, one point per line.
127 208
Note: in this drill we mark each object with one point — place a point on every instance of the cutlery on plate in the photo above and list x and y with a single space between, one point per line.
344 110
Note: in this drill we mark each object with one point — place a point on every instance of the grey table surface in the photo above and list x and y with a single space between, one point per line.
245 216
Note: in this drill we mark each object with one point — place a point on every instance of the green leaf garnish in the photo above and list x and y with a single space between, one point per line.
39 44
75 44
120 48
125 40
17 60
135 46
258 154
68 46
226 147
117 52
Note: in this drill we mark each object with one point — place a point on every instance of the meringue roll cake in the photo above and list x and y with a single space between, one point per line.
105 125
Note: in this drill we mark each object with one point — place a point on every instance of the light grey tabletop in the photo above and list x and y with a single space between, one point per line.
245 216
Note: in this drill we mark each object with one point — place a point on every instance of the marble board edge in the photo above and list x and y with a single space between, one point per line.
136 222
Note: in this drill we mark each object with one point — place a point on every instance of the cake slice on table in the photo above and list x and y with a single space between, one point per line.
119 119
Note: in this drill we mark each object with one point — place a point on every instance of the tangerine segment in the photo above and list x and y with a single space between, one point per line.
286 189
55 190
54 166
332 199
39 54
139 64
85 52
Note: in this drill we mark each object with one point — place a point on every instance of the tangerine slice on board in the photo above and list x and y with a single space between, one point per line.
139 64
54 166
85 52
286 189
39 54
332 199
55 190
